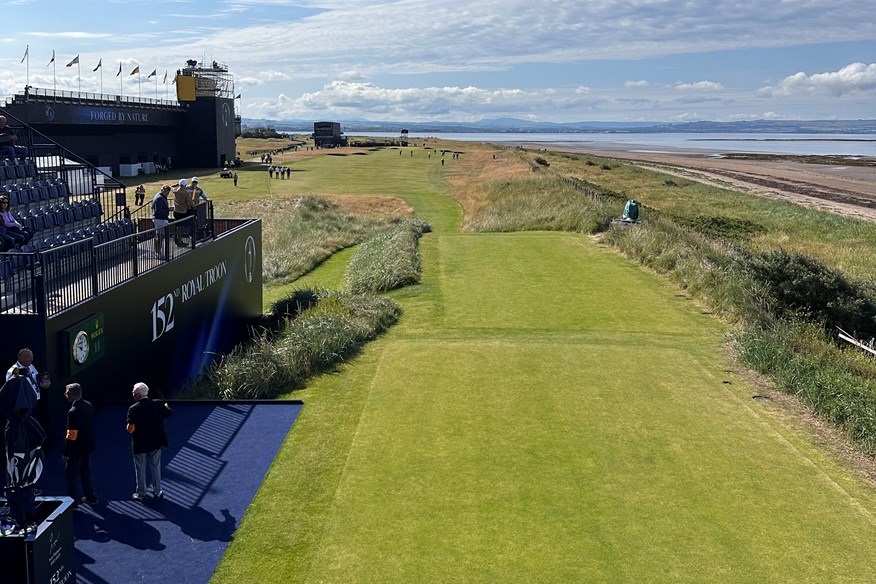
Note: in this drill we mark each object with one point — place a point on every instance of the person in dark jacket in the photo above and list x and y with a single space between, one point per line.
160 217
79 446
146 427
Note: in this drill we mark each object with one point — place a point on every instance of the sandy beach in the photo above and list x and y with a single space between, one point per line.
837 184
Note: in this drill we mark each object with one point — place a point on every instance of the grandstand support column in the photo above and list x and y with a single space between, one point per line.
95 285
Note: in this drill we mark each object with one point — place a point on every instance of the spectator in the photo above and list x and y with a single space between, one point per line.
198 193
78 447
12 232
235 178
7 142
161 217
145 424
182 208
140 195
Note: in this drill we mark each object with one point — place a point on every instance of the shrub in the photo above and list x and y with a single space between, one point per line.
800 285
605 167
321 337
389 260
542 161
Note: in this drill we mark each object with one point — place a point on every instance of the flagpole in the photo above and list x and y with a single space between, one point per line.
101 79
139 84
27 67
79 72
54 74
121 89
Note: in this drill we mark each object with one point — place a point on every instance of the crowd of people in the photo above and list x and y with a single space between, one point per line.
186 196
144 423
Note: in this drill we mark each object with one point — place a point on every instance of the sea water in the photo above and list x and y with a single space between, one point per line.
853 145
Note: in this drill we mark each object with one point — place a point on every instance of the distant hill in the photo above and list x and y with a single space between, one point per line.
514 125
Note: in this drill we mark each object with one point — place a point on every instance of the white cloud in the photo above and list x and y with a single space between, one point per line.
699 86
854 78
636 83
71 35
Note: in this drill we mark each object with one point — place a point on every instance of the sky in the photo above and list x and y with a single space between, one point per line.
465 60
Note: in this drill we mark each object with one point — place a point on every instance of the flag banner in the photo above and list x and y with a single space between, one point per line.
75 61
26 49
153 74
136 70
165 77
237 96
53 59
99 64
120 70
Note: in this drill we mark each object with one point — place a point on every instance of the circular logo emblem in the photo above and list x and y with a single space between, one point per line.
249 258
49 113
81 347
226 114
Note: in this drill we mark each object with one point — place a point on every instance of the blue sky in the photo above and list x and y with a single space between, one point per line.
466 60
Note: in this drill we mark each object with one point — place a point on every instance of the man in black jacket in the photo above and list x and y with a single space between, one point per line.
146 427
79 446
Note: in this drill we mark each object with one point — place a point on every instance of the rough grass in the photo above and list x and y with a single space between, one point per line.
388 260
299 234
316 332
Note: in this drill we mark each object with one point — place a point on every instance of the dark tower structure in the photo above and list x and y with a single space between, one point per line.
207 93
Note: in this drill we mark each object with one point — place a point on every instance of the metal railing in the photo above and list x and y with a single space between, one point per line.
57 279
86 98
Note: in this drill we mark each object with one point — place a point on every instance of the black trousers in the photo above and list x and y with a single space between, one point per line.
80 480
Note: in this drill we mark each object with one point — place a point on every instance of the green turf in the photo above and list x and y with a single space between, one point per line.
545 412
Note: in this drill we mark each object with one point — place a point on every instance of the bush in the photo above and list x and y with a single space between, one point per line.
800 285
321 337
389 260
542 161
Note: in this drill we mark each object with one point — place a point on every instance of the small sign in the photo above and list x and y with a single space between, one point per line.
86 343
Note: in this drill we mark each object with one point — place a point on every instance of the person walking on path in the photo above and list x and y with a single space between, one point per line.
78 447
145 424
235 179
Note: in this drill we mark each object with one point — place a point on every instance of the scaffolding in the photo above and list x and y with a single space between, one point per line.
211 80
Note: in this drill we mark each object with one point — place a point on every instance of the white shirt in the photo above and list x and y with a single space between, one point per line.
30 378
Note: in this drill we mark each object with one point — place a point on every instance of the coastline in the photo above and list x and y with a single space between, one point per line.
836 184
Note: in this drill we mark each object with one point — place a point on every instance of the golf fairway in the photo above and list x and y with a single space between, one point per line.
547 412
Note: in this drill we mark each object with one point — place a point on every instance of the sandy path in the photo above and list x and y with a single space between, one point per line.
846 187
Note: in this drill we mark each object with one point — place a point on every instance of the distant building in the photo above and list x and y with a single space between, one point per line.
404 138
328 135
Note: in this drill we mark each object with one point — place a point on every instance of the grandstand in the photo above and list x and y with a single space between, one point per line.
92 298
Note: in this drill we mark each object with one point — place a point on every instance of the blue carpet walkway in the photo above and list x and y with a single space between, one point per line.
218 455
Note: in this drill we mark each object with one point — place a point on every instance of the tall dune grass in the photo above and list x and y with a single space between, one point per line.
388 260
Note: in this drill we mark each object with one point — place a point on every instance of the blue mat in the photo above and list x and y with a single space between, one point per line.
217 459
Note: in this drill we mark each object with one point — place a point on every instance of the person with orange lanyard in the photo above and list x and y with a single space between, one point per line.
78 447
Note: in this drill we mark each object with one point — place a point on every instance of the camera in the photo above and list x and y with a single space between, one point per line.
23 371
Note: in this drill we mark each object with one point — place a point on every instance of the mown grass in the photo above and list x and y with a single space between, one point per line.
545 411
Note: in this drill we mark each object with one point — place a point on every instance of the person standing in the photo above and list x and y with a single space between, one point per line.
78 447
145 424
37 382
160 218
234 176
140 195
182 208
198 193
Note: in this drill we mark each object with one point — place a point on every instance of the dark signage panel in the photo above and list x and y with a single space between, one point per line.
95 115
166 326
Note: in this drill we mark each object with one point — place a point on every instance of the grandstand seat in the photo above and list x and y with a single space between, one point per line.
95 208
39 221
25 194
14 199
78 211
3 172
18 168
127 227
38 243
116 231
28 248
53 190
5 268
29 168
63 191
41 191
69 216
